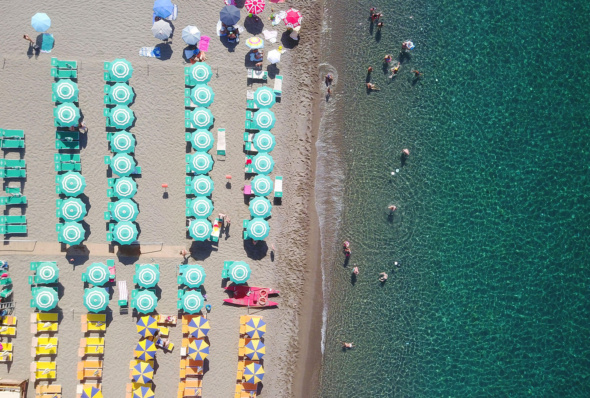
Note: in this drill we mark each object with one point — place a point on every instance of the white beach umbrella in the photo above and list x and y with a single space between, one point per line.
191 35
162 30
273 56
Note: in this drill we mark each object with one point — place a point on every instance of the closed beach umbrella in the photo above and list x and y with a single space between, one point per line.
264 119
255 350
47 273
45 299
124 210
202 95
125 187
121 94
293 18
239 272
162 30
147 326
255 328
264 141
71 233
200 73
121 117
148 275
264 97
193 275
200 163
253 373
254 6
260 207
191 35
273 56
262 185
200 229
73 209
40 22
125 233
123 142
199 327
120 70
146 301
72 183
255 43
202 140
201 185
66 90
145 350
263 163
198 350
229 15
201 118
67 115
142 372
163 8
98 274
123 164
200 207
192 301
96 299
143 392
258 228
91 392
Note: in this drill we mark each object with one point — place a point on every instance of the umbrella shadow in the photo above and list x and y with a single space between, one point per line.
254 25
231 46
255 251
187 48
78 254
165 51
129 254
249 60
86 201
273 70
200 250
240 3
287 41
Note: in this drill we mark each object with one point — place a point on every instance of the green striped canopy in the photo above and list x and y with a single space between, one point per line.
192 301
201 185
146 301
98 274
67 115
264 119
264 97
258 228
202 95
73 209
264 141
239 272
200 162
193 275
121 117
123 141
45 298
71 233
125 187
66 90
200 229
147 275
123 164
260 207
72 183
202 140
124 210
125 232
96 299
120 70
47 273
200 207
121 94
201 118
262 185
200 73
263 163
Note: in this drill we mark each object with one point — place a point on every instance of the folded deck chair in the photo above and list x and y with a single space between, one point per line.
221 143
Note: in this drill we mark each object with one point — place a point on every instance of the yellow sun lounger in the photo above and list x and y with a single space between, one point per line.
44 346
7 331
8 320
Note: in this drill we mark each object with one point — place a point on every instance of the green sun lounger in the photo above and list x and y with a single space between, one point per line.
13 200
249 168
13 219
63 64
67 135
12 144
67 157
278 88
68 166
13 163
12 133
250 104
64 73
5 293
59 144
13 173
13 229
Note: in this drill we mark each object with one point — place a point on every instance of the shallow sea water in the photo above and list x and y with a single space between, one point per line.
492 292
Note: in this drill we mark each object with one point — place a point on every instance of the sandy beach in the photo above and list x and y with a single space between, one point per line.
91 33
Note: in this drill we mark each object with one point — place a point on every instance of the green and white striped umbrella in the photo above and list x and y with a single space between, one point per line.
120 70
96 299
258 228
264 141
47 273
192 301
125 187
264 97
202 140
71 233
200 73
125 233
201 185
200 207
260 207
121 94
263 163
239 272
124 210
147 275
264 119
123 164
200 163
201 118
73 209
72 183
98 274
202 95
193 275
146 301
262 185
123 142
121 117
67 115
200 229
45 298
66 90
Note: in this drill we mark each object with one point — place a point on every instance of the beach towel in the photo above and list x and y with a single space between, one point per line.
219 29
204 43
152 52
47 43
270 35
230 2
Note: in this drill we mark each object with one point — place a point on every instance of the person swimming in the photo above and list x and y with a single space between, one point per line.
347 251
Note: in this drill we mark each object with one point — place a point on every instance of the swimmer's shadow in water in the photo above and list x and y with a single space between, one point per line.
353 278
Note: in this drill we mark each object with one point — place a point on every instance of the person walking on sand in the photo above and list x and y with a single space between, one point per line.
33 44
184 254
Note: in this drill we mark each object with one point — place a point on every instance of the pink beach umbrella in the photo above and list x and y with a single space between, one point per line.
254 6
293 18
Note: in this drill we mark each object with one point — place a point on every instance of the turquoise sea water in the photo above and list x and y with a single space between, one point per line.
492 233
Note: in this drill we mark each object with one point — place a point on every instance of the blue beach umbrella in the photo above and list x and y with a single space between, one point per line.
67 114
255 349
145 350
163 8
229 15
239 272
146 301
66 90
98 274
143 372
199 327
121 117
198 350
120 70
96 299
255 328
72 183
40 22
147 326
253 373
147 275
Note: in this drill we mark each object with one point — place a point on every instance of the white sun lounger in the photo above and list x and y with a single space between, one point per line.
221 143
123 294
278 187
278 89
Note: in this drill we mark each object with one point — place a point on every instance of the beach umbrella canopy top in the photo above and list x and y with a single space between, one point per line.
255 43
255 328
201 118
265 119
202 95
142 372
229 15
123 164
293 18
163 8
123 142
73 209
200 163
192 301
198 350
72 183
148 275
201 185
262 185
263 163
143 392
125 187
121 117
40 22
239 272
264 97
255 349
260 207
96 299
146 301
200 73
193 275
254 6
162 29
71 233
91 392
258 228
120 70
125 232
47 272
191 35
145 350
200 207
45 299
121 93
98 274
66 90
264 141
199 327
200 229
253 373
124 210
67 115
202 140
273 56
147 326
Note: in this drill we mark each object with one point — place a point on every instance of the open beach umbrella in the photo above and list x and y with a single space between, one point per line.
202 95
264 119
255 43
143 392
293 18
146 301
263 163
163 8
40 22
123 164
254 6
200 229
200 207
253 373
125 233
65 90
125 187
264 141
201 185
121 117
147 326
72 183
162 29
255 349
123 142
239 272
193 275
124 210
202 140
96 299
198 350
229 15
255 328
47 273
191 35
199 327
264 97
121 94
200 73
258 228
262 185
91 392
273 56
98 274
142 372
71 233
145 350
67 115
200 163
148 275
45 298
73 209
260 207
201 118
192 301
120 70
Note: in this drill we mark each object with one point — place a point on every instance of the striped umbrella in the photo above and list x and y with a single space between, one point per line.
142 372
260 207
147 326
67 115
255 349
239 272
200 73
71 233
200 162
72 183
73 209
201 185
199 327
148 275
121 117
262 185
200 207
47 273
255 328
198 350
123 164
255 43
254 6
202 140
145 350
91 392
66 90
96 299
143 392
121 94
125 187
120 70
202 95
253 373
124 210
200 229
264 97
146 301
40 22
45 299
98 274
193 275
264 141
264 119
125 233
293 18
258 228
263 163
201 118
123 141
192 301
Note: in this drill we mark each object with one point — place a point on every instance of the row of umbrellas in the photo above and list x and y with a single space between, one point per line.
255 349
96 299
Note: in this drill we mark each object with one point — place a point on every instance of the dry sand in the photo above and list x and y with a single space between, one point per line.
94 32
